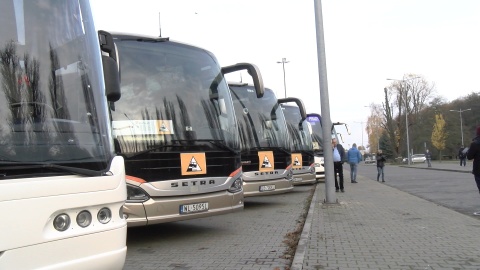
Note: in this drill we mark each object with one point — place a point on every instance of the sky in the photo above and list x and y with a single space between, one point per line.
366 42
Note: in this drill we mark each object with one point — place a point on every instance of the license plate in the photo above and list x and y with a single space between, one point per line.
193 208
297 179
267 188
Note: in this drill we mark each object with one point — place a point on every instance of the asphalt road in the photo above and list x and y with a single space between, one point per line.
454 190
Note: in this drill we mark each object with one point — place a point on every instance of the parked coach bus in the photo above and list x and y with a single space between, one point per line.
266 156
176 128
62 187
301 140
315 121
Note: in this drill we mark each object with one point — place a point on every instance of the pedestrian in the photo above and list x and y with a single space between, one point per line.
353 158
338 159
380 165
474 153
462 156
428 157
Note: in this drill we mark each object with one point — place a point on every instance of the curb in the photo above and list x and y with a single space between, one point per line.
297 263
434 169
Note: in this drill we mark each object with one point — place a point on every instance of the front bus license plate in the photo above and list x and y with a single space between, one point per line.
267 188
193 208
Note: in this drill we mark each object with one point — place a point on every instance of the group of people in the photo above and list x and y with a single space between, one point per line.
354 157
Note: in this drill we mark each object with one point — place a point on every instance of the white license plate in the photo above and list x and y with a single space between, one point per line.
193 208
267 188
297 179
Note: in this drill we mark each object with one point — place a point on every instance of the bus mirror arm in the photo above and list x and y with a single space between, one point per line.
252 71
299 103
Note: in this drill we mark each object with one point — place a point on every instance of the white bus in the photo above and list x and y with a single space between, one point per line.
301 141
176 128
319 144
265 142
62 188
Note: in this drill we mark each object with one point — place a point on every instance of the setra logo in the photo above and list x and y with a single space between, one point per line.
193 163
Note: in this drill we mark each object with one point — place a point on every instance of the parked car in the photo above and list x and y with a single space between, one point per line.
370 160
416 158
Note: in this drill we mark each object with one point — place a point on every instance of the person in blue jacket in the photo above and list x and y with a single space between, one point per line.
353 158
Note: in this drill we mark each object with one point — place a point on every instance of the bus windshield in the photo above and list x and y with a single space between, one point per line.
171 94
50 99
261 120
317 135
299 131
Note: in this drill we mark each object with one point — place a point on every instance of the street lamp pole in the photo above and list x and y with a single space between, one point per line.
461 121
406 113
361 123
283 62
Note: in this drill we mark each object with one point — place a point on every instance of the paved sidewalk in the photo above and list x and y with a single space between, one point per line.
375 226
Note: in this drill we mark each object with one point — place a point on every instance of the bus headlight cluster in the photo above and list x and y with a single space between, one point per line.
236 186
84 219
136 194
290 175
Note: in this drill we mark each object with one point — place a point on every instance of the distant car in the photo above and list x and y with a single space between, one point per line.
370 160
416 158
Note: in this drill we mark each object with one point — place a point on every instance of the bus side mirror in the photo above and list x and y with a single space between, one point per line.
110 67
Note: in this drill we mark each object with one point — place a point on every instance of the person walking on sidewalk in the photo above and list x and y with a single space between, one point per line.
353 158
462 156
380 165
338 159
428 157
474 153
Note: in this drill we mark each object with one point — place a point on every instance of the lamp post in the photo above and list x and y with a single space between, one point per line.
361 123
406 113
283 62
461 121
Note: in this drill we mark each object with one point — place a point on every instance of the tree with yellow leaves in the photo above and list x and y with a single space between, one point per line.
439 135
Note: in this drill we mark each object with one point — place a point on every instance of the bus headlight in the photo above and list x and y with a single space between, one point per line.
290 175
136 194
236 186
84 219
61 222
104 215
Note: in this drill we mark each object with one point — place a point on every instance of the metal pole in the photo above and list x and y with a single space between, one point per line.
406 123
461 121
284 82
283 62
461 126
324 105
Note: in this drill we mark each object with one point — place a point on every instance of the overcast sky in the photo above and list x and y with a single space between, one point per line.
366 42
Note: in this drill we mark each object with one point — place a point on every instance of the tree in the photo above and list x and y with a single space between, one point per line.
410 98
439 135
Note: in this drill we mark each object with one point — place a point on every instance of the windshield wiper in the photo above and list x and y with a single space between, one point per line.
54 167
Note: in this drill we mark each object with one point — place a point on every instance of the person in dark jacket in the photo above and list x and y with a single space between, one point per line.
338 159
380 165
474 153
462 156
